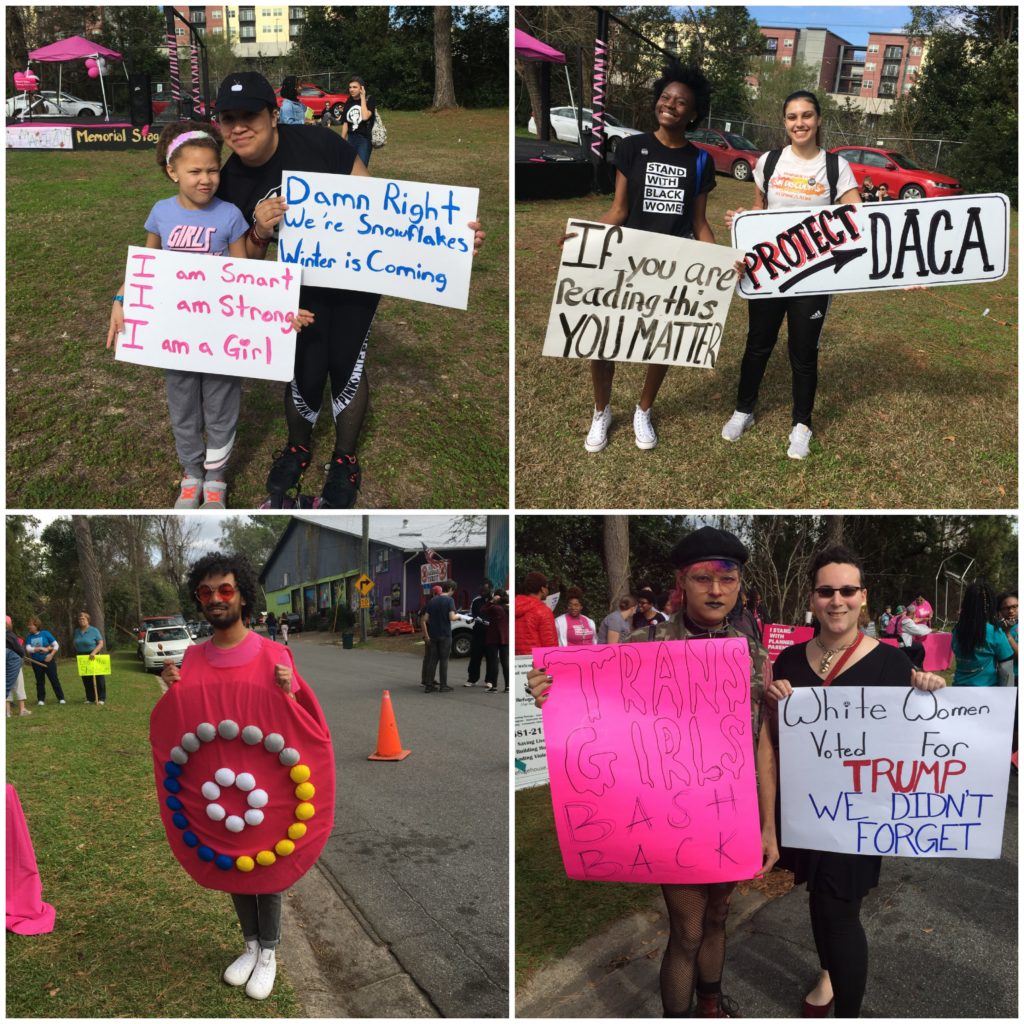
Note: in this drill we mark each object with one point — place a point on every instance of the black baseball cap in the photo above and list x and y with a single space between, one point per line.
245 90
709 544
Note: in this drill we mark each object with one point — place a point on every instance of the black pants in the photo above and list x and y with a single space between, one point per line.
95 686
842 949
47 670
438 652
260 918
497 653
476 653
805 316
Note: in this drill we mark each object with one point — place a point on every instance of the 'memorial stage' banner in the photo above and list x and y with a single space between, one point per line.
205 314
403 238
640 297
896 771
873 246
651 760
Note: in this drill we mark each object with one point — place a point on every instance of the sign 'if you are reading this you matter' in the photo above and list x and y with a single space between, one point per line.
408 239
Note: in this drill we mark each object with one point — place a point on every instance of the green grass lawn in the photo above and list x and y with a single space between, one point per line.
916 403
84 431
134 936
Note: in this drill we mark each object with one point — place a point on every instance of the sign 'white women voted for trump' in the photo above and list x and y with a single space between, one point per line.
640 297
200 314
896 771
873 246
407 239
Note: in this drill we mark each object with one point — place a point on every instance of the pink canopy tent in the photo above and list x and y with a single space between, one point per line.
75 48
528 48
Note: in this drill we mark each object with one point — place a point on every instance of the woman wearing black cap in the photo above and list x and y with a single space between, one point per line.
840 655
709 564
334 346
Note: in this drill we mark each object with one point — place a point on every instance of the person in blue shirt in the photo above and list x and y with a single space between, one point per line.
41 646
1007 604
978 645
292 111
89 640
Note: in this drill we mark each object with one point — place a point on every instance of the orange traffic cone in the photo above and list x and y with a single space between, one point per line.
389 746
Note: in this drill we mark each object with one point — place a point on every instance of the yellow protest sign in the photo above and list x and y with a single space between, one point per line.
95 666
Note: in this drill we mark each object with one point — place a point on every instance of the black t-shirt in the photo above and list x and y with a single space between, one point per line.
299 148
663 183
353 116
439 625
848 876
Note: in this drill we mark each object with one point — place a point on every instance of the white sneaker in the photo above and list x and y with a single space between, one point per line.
738 424
261 984
597 439
644 429
800 442
62 702
190 494
237 973
42 703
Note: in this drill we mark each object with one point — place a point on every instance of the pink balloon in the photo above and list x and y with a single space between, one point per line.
90 62
94 72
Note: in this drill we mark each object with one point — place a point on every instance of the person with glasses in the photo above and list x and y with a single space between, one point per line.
647 615
840 655
709 564
224 588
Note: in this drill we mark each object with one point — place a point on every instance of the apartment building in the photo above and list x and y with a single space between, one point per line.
252 31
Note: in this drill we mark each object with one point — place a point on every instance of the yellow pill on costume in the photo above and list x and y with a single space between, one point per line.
300 773
284 847
265 857
306 791
245 863
296 831
304 812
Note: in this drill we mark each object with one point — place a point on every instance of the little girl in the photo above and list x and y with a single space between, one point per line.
189 154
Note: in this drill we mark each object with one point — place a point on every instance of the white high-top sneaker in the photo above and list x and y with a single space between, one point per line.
261 984
237 973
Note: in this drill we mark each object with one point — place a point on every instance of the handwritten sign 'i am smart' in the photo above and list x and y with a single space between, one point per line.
204 314
402 238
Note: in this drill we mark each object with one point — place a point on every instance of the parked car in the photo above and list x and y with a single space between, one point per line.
904 178
318 100
152 621
164 643
563 124
64 103
733 154
462 636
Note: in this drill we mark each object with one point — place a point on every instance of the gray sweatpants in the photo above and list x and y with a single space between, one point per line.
260 917
203 403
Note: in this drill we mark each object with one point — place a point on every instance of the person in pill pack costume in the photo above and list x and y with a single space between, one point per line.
244 766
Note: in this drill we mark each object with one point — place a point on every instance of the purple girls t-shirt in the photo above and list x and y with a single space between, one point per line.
209 230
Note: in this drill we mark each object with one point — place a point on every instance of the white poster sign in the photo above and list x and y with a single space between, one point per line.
23 136
896 771
531 763
206 314
403 238
873 246
640 297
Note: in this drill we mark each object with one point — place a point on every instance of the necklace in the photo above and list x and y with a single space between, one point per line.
703 632
830 652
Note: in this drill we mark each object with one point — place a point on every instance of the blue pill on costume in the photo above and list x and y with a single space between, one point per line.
205 853
224 862
172 785
172 769
180 821
191 839
174 803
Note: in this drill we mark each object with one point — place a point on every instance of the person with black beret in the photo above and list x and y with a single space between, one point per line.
709 564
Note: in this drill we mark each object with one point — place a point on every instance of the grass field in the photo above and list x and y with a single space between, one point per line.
134 936
86 432
916 403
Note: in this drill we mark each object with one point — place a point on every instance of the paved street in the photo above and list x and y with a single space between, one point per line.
419 851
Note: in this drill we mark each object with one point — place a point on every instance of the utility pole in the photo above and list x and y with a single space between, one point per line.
364 613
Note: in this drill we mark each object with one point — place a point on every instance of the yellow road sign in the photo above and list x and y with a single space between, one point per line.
364 602
364 584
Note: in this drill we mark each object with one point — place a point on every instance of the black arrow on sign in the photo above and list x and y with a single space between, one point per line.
839 260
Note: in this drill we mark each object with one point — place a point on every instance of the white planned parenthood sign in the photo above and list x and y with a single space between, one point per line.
640 297
401 238
531 762
896 771
206 314
873 246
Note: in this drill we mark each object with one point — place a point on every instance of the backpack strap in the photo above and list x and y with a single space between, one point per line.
769 167
832 174
702 162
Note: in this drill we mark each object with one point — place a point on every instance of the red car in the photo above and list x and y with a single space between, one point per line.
732 153
903 178
318 100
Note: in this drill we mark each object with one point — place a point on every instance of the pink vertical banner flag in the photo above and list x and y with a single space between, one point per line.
651 761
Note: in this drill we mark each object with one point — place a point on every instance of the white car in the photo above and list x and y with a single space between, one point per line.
46 102
563 124
163 643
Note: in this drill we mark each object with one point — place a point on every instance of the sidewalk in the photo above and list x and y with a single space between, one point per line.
942 935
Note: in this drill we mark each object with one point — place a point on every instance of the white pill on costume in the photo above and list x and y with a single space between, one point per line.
254 817
228 729
178 756
289 756
233 823
224 776
244 781
215 811
211 790
274 742
257 798
190 741
206 731
252 735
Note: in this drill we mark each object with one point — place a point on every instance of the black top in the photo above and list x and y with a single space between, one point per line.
848 876
353 115
662 184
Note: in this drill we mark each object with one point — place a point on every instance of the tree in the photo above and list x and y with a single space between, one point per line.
92 583
176 537
444 85
725 43
23 592
254 536
616 556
